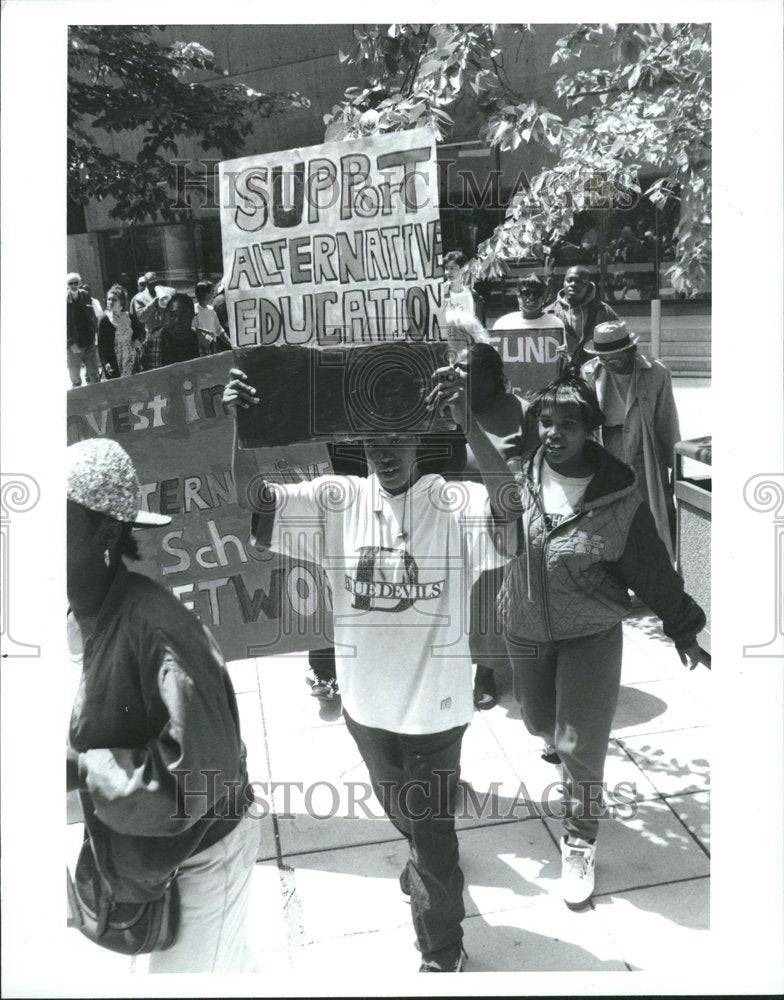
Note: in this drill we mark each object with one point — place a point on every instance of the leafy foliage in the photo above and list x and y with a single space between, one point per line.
644 107
415 71
120 79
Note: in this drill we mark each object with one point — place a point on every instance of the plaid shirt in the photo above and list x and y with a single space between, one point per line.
152 354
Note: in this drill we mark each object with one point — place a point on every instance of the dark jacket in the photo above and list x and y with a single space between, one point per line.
162 770
80 321
579 321
572 580
106 340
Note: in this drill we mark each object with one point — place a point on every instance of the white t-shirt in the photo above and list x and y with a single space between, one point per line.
561 495
516 321
460 301
206 320
401 569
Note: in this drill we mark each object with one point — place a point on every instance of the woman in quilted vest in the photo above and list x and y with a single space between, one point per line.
588 538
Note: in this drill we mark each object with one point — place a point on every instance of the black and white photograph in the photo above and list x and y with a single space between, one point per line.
394 569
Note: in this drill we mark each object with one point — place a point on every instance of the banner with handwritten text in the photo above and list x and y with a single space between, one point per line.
334 244
172 423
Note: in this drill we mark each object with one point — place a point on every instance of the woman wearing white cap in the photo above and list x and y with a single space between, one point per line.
155 714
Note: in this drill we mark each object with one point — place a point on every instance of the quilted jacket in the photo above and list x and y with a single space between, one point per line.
573 579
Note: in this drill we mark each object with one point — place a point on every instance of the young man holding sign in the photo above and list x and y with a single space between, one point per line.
401 551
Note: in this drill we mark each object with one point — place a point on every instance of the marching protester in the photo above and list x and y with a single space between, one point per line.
401 553
588 537
531 292
154 741
96 305
506 421
641 424
80 333
219 305
145 294
119 336
175 340
149 306
346 459
205 320
530 315
579 308
511 427
460 296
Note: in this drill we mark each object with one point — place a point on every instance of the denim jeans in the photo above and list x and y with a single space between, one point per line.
415 780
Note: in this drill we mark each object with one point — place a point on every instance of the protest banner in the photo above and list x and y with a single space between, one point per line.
334 244
529 357
172 423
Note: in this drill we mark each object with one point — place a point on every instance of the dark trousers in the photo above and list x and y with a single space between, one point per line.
415 780
568 693
322 663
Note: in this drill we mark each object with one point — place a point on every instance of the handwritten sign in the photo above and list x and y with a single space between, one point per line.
172 423
528 356
334 244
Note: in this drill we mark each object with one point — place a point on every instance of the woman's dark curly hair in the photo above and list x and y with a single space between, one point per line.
569 390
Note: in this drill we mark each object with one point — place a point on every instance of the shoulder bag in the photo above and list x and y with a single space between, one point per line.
128 928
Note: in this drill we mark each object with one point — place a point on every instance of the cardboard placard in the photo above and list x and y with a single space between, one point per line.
172 423
337 244
528 356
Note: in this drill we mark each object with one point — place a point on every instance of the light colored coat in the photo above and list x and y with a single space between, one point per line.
650 432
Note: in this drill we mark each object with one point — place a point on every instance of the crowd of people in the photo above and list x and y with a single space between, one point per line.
545 518
158 326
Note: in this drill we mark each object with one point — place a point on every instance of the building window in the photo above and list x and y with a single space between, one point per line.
76 221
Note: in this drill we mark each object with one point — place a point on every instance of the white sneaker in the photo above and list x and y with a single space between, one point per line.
578 860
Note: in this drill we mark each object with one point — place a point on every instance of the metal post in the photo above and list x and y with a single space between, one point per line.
656 328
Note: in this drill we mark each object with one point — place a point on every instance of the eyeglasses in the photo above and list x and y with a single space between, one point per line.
531 293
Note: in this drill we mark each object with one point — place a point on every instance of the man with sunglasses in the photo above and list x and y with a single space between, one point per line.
81 325
531 291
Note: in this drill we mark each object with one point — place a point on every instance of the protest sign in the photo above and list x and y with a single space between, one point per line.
172 423
334 244
528 355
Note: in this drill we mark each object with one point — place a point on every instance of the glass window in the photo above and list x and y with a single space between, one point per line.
117 259
149 250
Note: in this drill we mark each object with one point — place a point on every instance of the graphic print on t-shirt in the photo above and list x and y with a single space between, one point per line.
388 580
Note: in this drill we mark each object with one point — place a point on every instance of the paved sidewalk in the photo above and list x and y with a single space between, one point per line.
325 890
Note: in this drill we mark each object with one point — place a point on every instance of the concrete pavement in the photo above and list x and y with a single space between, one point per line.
325 891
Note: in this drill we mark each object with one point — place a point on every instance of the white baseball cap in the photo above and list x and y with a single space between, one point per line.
101 477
